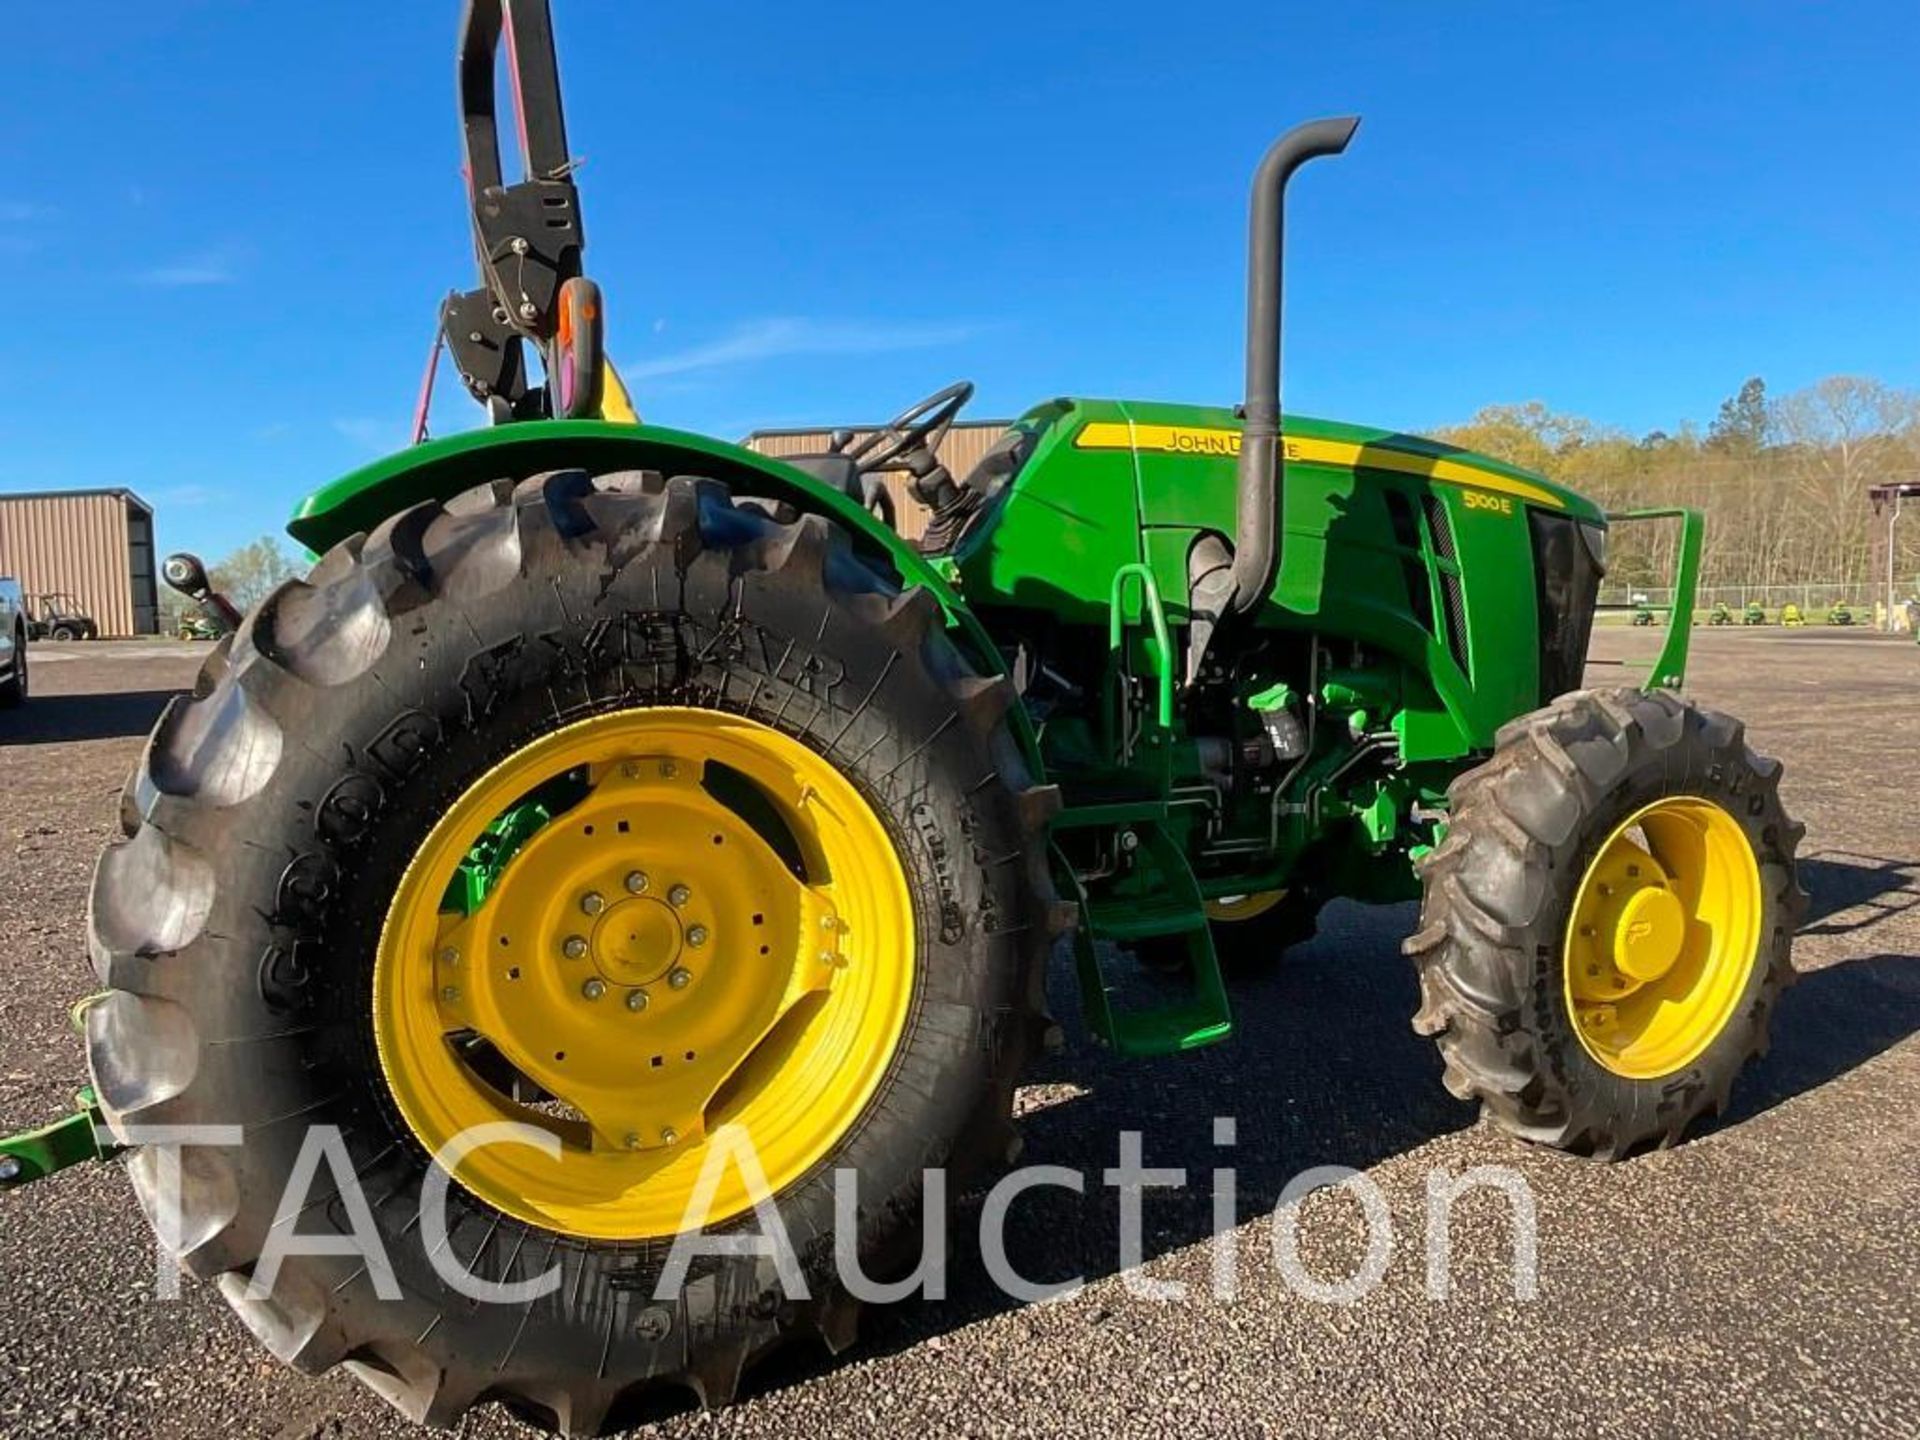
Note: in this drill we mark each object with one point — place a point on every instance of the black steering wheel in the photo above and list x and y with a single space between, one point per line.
919 427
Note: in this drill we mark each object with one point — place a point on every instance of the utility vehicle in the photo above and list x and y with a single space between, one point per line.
636 787
57 615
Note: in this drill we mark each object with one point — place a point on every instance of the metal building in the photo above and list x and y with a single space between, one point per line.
963 446
96 545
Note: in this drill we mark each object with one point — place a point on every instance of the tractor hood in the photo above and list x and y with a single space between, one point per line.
1214 431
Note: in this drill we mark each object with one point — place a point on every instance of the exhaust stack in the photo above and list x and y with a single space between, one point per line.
1256 547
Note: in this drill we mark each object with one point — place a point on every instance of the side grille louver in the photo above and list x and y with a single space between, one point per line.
1451 596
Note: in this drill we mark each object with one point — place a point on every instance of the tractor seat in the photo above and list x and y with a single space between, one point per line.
837 470
1000 464
844 475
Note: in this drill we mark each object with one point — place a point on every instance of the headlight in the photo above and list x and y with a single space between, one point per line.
1596 538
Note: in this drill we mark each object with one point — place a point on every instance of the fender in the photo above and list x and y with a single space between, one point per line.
441 469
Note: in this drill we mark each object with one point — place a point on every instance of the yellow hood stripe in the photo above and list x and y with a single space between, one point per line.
1188 440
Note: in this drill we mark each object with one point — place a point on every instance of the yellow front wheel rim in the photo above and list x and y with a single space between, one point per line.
1234 909
715 930
1663 938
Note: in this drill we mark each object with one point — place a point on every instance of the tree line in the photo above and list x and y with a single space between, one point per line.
1782 481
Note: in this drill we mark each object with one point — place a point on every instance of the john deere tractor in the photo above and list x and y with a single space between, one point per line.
657 795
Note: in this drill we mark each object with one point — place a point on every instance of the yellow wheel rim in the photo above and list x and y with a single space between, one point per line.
1664 937
1234 908
716 929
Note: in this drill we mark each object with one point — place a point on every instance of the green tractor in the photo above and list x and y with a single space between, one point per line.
655 799
1721 614
1841 613
1754 614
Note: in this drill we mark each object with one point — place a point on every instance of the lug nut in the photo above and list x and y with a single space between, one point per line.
829 957
574 947
594 988
636 1000
679 976
696 935
828 922
449 956
669 1136
668 769
629 770
450 992
636 882
592 903
633 1141
679 895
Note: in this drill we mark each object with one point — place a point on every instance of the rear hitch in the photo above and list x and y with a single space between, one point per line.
35 1154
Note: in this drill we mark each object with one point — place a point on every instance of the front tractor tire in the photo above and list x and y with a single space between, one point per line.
615 806
1607 925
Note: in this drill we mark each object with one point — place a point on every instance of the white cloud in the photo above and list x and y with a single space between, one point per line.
775 338
212 268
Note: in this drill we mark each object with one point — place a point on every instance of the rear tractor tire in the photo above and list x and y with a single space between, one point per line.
604 805
1607 925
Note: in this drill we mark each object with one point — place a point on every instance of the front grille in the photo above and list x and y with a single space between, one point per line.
1567 585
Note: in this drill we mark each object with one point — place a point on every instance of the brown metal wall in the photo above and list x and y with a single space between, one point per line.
959 452
80 543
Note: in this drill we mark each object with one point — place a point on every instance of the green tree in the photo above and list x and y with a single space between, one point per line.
249 574
1744 421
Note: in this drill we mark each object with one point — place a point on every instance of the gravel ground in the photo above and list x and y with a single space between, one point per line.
1759 1280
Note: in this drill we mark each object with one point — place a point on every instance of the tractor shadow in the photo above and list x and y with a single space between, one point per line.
1839 883
1324 1069
1831 1021
107 715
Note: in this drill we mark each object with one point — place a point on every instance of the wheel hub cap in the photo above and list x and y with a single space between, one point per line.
636 942
1650 932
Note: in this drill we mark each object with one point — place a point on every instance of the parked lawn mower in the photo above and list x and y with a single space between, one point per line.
629 785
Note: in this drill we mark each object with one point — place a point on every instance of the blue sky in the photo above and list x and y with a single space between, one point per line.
225 226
